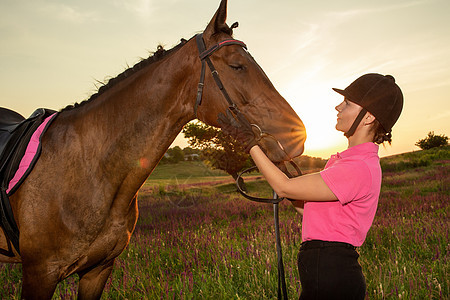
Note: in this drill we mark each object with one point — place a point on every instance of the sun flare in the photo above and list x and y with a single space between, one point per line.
315 105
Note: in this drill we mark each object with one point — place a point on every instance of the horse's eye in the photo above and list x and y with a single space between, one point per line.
237 67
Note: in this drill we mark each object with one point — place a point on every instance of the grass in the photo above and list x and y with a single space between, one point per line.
210 243
182 173
187 173
184 170
416 159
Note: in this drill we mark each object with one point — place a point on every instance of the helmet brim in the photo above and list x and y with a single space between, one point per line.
342 92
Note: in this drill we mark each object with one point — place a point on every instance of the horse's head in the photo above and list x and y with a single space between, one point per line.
251 91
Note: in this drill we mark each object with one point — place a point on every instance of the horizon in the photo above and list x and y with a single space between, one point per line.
53 52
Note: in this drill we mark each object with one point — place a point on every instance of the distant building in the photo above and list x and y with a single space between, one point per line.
193 156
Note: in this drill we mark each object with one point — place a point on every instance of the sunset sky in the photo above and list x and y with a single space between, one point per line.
52 53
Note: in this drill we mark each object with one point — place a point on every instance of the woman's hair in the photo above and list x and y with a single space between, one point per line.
380 135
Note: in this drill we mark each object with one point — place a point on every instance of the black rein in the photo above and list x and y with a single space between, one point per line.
205 59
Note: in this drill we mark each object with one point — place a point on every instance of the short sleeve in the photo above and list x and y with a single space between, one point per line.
348 179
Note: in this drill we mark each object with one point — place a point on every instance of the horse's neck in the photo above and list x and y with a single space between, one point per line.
133 123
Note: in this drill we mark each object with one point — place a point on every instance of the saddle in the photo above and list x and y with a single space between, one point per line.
16 136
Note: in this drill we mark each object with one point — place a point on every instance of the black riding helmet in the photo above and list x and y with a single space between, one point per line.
377 94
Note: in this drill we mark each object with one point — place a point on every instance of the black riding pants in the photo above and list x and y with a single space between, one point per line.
330 270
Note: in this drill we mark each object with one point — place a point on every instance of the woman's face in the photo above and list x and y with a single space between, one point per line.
347 113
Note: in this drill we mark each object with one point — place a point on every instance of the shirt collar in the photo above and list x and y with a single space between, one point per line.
358 149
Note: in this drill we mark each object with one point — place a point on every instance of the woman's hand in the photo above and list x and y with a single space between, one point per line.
309 187
239 128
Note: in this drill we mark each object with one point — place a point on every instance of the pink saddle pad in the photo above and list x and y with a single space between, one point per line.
31 152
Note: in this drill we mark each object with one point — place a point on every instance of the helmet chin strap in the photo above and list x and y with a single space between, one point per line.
355 124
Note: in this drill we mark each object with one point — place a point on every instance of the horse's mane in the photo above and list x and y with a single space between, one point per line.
155 56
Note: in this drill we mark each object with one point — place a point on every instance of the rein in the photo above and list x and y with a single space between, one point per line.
205 59
282 290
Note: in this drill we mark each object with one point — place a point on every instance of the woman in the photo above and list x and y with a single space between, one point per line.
339 203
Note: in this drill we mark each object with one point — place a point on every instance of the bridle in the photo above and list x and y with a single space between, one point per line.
204 55
205 59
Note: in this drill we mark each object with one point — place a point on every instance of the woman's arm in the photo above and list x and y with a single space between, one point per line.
309 187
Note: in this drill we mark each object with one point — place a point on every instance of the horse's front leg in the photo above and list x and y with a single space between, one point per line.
38 283
93 281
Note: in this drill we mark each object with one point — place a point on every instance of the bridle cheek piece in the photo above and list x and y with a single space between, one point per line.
205 59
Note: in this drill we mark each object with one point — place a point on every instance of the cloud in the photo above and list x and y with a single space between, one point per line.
141 8
377 9
445 115
335 45
68 13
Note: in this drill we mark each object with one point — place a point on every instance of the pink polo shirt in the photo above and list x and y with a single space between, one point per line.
354 176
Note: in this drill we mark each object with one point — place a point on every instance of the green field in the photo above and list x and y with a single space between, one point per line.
198 239
184 173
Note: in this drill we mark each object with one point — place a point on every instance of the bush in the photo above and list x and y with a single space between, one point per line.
432 141
404 165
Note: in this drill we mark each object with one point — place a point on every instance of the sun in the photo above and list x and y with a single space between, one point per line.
316 107
323 139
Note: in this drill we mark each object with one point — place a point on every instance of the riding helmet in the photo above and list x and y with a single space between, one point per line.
377 94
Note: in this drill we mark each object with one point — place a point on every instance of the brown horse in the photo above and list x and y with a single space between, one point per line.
78 208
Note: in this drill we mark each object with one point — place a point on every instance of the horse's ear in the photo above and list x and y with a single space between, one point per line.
218 22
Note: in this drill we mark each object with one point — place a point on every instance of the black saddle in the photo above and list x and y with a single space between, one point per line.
15 134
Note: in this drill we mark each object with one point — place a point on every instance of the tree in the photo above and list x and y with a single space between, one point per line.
220 151
175 155
308 162
432 141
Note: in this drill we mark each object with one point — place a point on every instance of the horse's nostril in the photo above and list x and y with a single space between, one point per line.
297 130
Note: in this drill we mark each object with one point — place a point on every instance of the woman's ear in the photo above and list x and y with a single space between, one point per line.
369 119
